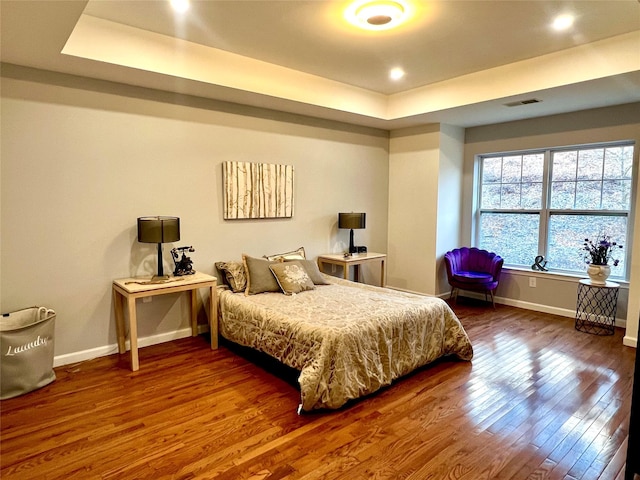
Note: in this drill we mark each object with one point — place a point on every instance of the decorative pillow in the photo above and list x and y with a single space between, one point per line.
295 255
292 277
233 275
259 277
312 270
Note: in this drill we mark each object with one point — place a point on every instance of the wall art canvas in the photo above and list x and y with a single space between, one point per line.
257 190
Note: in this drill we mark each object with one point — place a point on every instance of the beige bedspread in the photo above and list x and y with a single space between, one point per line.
346 339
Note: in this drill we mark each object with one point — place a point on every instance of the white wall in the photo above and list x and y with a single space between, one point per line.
82 159
633 308
425 189
589 126
449 215
413 205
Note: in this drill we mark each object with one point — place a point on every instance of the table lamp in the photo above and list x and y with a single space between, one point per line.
159 230
351 221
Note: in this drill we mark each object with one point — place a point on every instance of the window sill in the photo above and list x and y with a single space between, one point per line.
557 276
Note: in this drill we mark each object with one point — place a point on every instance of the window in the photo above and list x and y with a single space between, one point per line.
546 202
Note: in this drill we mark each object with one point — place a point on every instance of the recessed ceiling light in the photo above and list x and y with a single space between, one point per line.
180 6
562 22
377 14
396 73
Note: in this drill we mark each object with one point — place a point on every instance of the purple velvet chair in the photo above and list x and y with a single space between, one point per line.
473 269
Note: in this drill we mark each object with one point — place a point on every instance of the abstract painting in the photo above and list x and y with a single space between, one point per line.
257 190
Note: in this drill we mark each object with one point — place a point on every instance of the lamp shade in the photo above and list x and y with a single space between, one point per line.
158 229
352 220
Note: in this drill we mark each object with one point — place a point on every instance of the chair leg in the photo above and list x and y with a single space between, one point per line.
454 293
493 301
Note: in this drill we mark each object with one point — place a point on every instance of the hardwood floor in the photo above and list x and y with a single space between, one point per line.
539 401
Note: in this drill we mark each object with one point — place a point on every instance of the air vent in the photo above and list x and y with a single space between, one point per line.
523 102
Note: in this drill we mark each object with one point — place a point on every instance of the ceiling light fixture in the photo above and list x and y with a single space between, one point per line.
396 73
380 13
562 22
180 6
376 14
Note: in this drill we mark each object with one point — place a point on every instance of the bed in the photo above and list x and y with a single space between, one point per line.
346 339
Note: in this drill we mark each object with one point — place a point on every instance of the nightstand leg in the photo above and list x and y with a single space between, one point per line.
117 306
133 333
194 315
213 318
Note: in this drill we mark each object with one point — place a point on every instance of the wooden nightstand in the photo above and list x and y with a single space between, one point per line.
130 289
356 261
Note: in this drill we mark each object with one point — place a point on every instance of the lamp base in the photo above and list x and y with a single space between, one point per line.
352 248
160 277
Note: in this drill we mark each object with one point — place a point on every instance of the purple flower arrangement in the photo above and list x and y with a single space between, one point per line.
600 251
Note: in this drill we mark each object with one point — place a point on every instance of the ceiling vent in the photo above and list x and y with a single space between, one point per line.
523 102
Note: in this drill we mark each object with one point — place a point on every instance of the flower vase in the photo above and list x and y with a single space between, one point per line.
598 273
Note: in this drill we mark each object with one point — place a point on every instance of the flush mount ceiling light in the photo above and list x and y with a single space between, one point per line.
376 14
180 6
396 73
562 22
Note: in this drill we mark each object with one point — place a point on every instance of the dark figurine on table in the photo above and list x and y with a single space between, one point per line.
184 265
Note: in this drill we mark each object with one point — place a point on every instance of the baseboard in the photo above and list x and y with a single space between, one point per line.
537 307
630 341
92 353
398 289
563 312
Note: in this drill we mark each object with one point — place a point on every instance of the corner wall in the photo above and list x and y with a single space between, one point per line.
425 181
413 187
449 199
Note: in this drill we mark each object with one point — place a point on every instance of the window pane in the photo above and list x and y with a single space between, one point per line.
563 195
588 195
532 195
492 170
490 196
513 236
510 195
533 167
590 164
512 169
616 194
627 156
568 232
617 162
564 166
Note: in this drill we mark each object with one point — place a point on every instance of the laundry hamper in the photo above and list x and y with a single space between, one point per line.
26 342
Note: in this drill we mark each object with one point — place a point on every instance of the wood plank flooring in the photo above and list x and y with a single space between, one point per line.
539 401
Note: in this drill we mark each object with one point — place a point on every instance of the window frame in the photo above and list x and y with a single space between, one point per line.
545 212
